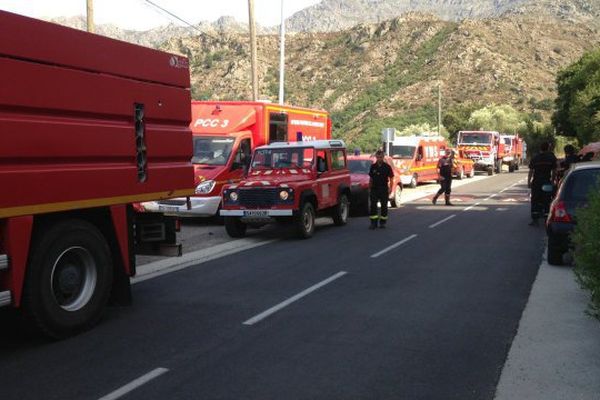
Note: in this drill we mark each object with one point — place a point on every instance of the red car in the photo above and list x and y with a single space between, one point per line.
359 176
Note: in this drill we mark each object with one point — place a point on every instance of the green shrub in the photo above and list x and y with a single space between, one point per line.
587 250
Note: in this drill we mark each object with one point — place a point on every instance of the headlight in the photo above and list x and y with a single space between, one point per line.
205 187
233 196
284 195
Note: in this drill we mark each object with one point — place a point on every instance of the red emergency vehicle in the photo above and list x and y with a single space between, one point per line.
417 157
290 183
483 147
513 151
88 125
359 166
225 133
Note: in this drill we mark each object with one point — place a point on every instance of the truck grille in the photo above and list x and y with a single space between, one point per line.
257 198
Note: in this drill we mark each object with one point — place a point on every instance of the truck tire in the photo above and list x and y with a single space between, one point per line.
235 227
511 167
305 221
397 197
461 174
490 170
555 251
341 210
68 280
413 181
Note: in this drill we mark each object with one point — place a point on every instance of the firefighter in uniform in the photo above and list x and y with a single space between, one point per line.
444 167
542 171
381 175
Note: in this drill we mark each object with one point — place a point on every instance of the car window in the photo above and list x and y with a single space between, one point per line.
580 183
338 160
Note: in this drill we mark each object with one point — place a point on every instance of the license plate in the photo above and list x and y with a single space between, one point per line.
256 213
167 208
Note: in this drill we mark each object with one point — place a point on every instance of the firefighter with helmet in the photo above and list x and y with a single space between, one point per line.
380 176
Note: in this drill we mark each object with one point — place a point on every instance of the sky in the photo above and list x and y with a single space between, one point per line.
140 15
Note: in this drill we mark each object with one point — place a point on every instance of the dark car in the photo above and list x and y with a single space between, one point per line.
572 194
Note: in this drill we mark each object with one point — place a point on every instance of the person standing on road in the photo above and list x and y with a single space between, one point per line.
381 175
542 171
444 168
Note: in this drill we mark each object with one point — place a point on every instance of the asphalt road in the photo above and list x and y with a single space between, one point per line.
426 309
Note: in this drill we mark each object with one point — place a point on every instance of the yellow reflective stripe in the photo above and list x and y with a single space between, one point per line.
374 217
384 218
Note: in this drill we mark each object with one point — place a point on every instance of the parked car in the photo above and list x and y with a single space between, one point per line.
290 183
359 175
572 194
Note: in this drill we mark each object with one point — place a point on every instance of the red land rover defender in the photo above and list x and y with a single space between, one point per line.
290 182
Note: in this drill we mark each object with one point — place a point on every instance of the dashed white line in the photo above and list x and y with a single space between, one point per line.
442 221
142 380
471 207
293 299
392 247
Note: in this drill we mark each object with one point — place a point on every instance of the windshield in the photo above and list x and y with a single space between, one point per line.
476 138
287 158
403 151
359 166
212 150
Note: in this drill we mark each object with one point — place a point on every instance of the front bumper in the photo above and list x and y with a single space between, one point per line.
200 206
253 214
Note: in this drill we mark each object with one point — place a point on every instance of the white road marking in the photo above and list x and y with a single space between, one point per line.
471 207
392 247
166 266
293 299
442 221
142 380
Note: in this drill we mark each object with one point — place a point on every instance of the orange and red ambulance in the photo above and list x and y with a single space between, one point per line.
224 135
417 157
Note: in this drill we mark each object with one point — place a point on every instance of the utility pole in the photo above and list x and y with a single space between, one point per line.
282 57
439 108
90 16
253 50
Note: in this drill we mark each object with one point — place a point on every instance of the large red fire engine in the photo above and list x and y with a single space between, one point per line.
88 125
513 151
483 147
225 134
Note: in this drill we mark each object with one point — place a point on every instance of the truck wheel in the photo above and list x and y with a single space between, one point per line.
413 181
305 221
511 168
461 175
340 211
490 170
68 280
397 197
235 227
555 251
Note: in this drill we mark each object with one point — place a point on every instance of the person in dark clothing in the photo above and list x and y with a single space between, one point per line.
542 171
444 168
380 175
571 158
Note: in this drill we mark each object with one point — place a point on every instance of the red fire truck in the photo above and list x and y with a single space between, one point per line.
513 151
225 134
88 125
484 148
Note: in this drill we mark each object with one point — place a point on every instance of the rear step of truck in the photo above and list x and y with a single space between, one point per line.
5 297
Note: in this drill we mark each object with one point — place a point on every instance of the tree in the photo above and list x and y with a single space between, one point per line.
502 118
457 118
578 103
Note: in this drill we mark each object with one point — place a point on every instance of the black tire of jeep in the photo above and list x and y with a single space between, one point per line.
555 251
395 201
341 211
234 227
68 280
305 221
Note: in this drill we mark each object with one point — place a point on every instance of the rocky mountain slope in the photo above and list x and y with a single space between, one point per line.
335 15
386 74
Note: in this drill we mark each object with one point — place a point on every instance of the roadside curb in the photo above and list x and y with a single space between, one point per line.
556 351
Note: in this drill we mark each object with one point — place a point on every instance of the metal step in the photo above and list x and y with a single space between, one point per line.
3 262
5 298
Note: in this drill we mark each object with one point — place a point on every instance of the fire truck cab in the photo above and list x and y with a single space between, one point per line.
484 148
417 157
293 183
224 135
